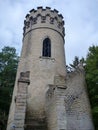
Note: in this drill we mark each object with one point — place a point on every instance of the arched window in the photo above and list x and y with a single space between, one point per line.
47 47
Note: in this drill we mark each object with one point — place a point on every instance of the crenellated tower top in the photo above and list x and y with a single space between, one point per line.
44 18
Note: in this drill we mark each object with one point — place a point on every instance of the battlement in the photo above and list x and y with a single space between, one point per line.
44 18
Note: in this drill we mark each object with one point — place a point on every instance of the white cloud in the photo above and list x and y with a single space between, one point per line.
81 23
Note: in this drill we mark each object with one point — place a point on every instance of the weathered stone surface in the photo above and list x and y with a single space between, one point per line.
77 105
55 109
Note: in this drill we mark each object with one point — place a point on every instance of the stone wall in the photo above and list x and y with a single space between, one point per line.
55 109
67 103
77 104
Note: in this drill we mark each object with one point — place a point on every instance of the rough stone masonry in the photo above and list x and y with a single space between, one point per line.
45 96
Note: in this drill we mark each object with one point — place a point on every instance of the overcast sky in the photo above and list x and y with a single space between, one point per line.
80 16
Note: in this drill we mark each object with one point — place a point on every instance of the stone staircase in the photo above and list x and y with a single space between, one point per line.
21 101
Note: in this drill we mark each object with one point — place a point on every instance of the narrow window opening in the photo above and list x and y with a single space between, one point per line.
47 48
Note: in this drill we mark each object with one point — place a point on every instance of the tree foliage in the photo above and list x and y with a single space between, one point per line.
92 80
8 67
76 62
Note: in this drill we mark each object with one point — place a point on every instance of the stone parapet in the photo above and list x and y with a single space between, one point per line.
44 18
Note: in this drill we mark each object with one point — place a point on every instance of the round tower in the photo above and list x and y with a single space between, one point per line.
46 96
42 54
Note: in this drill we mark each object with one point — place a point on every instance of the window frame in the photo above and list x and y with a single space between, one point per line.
46 49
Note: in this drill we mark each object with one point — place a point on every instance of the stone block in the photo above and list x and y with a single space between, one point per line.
19 116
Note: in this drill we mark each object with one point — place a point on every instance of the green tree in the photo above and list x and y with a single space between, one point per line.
76 62
8 67
92 80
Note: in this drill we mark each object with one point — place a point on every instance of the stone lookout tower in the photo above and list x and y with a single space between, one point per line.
45 97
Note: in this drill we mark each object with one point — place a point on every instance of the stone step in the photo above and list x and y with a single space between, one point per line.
18 107
20 103
20 110
22 89
20 100
21 95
